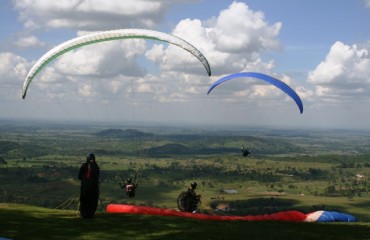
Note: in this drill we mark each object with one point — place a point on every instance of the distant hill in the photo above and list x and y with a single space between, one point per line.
180 149
127 133
201 144
168 149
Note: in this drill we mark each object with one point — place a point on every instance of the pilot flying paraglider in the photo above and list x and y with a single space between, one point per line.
277 83
109 36
245 151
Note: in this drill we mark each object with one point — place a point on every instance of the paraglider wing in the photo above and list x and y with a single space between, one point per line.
329 216
288 216
109 36
279 84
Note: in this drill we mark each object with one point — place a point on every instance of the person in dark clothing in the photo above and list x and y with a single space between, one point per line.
194 198
89 192
188 200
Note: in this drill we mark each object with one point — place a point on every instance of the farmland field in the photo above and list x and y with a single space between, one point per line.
287 169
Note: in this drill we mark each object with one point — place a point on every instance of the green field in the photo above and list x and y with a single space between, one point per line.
287 170
30 222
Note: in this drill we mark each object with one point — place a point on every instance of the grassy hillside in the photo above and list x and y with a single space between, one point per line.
287 170
30 222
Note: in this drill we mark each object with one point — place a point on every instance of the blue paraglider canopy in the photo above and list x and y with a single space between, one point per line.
277 83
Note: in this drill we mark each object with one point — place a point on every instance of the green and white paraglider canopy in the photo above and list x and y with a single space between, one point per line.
109 36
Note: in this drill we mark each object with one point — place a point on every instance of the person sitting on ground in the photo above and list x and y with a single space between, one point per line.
188 200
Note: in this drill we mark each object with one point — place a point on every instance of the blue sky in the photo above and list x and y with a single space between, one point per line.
319 48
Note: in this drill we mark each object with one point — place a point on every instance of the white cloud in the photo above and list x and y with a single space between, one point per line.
93 14
104 59
305 93
248 32
177 59
13 70
115 71
345 73
232 41
86 90
225 41
367 3
122 57
155 53
12 67
29 41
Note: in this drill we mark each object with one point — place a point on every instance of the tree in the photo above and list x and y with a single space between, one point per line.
2 161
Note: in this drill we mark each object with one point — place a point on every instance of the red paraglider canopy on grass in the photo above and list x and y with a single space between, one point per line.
292 216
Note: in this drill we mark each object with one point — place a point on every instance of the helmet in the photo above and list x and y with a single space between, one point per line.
193 185
90 156
129 180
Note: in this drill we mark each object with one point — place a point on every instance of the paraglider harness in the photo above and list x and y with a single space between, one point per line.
130 186
188 201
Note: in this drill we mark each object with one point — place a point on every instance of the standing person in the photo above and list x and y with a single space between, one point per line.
89 192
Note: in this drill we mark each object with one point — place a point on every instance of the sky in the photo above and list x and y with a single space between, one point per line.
319 48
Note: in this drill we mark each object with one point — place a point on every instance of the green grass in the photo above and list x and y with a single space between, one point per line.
30 222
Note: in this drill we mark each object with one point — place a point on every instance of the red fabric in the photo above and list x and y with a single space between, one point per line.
294 216
88 171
